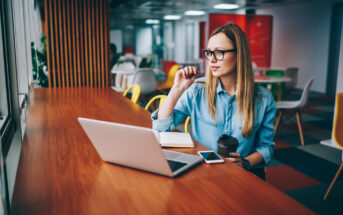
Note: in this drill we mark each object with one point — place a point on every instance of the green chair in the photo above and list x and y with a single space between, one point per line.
276 73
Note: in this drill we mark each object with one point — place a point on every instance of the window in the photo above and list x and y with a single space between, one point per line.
3 83
5 113
20 47
8 111
169 41
190 35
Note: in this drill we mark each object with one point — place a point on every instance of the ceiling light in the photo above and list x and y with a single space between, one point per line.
226 6
194 12
172 17
152 21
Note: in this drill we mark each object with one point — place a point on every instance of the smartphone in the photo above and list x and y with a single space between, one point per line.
210 157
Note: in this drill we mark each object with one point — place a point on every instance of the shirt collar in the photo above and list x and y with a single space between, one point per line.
220 87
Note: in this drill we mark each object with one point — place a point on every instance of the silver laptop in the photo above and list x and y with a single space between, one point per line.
135 147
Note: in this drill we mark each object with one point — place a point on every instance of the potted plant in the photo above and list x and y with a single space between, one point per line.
39 63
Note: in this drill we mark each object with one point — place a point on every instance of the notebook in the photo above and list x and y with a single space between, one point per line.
175 139
135 147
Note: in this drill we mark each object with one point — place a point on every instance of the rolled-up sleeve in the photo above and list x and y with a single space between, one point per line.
265 136
181 111
165 124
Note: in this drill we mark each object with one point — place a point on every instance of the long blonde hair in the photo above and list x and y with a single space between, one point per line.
245 92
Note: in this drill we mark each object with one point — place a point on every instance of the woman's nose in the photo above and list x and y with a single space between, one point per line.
213 59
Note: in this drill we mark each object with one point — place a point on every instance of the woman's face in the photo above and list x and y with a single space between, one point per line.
227 66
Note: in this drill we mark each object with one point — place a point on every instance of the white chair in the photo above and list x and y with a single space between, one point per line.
124 74
296 106
146 78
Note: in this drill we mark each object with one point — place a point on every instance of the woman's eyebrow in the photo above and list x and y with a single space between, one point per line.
218 48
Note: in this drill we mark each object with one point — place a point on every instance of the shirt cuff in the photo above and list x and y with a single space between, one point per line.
162 124
266 153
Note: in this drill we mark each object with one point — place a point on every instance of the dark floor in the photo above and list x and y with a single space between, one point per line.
305 172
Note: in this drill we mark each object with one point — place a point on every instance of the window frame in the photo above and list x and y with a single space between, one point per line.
8 127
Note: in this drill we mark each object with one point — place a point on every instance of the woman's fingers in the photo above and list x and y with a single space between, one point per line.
235 157
182 73
195 70
188 72
233 160
236 161
186 69
235 154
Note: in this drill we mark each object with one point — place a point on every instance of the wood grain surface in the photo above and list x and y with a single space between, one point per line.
60 171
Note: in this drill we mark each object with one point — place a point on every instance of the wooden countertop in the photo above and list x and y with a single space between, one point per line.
60 171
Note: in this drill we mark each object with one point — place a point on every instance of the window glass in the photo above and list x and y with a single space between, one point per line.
20 47
168 40
190 28
3 84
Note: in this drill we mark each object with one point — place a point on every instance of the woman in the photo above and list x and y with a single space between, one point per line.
227 103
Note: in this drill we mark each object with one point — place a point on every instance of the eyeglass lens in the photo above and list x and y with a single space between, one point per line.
218 55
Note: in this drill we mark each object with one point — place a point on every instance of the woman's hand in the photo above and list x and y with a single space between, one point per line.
236 159
185 77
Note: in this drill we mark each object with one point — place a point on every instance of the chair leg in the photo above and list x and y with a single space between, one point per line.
279 92
278 121
299 127
333 181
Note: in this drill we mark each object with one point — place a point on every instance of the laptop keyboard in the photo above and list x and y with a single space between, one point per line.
175 165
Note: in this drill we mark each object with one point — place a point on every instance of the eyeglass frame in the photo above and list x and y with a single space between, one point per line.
212 53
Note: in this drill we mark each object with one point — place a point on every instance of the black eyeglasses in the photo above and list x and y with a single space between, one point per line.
218 54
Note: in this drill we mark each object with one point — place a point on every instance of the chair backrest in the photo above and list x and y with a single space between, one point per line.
146 79
293 74
186 124
123 80
168 65
162 98
172 72
338 121
136 91
305 93
275 73
170 79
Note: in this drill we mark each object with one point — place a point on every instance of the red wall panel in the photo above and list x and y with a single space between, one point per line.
258 29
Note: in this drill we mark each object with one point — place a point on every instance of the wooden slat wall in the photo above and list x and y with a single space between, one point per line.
77 42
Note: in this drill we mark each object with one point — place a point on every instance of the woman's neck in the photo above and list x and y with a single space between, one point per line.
229 83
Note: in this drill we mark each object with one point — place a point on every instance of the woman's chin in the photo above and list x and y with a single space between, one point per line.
219 74
216 74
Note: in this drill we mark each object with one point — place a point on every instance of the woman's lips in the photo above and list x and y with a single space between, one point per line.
214 68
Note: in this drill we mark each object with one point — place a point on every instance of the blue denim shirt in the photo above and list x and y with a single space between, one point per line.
193 103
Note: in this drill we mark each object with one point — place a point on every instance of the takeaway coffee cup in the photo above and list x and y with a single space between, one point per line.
226 145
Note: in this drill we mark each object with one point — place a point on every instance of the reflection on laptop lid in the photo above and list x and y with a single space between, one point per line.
135 147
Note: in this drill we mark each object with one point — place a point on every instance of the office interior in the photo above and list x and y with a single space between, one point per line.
303 34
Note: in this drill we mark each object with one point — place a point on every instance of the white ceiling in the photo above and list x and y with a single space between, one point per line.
137 11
